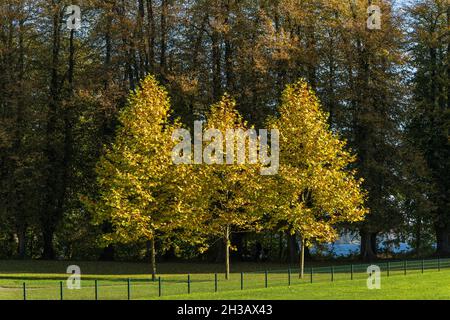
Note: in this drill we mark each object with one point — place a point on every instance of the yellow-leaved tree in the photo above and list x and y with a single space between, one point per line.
315 190
139 186
229 188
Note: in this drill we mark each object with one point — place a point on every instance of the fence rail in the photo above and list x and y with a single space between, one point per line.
173 285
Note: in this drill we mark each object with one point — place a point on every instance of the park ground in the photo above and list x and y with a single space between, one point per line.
43 281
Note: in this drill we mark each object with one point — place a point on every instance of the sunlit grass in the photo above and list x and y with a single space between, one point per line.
119 281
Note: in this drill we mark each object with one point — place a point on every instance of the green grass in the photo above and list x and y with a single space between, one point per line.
43 282
434 285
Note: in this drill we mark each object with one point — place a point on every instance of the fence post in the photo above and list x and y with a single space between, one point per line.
96 290
439 264
332 273
24 291
189 283
266 281
404 267
289 277
311 274
215 282
129 288
388 268
242 281
61 294
159 287
351 271
423 266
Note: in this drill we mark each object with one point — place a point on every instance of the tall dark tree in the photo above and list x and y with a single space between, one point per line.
430 116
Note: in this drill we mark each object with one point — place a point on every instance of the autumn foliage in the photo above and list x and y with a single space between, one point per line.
145 196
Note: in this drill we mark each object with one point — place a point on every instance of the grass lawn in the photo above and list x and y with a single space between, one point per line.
43 282
434 285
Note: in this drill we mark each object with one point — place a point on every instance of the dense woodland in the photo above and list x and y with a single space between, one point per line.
387 92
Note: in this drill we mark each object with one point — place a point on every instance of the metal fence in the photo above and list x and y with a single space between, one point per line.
174 285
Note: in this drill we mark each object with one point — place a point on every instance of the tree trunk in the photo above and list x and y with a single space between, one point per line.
216 65
227 252
164 13
127 45
22 227
153 258
418 241
108 48
366 246
373 243
51 210
142 50
302 258
311 68
229 65
21 248
151 36
228 52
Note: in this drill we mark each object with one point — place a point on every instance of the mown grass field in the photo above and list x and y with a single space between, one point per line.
43 281
431 286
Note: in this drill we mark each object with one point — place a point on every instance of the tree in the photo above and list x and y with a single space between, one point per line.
315 190
370 116
228 191
136 177
429 114
21 135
